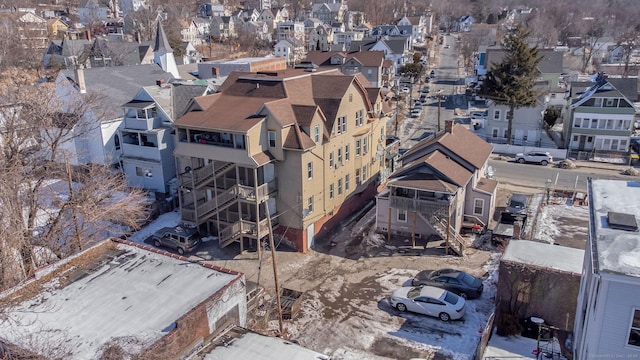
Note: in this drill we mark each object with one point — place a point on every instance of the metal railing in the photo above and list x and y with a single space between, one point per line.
435 207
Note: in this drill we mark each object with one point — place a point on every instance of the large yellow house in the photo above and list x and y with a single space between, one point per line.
305 147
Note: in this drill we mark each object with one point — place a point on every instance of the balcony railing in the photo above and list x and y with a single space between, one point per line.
197 177
204 210
433 207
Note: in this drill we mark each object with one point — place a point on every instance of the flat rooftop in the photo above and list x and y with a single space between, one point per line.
614 250
544 255
113 292
246 60
239 343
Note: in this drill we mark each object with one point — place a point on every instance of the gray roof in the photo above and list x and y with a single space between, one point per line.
551 62
182 95
397 44
384 29
364 44
543 255
627 86
162 43
123 53
118 85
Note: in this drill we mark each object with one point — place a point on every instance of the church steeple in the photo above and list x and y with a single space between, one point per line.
163 53
162 43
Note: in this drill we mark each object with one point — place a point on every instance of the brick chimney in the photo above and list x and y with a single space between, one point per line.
80 79
448 126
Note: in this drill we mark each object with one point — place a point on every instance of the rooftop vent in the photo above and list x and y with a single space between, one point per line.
622 221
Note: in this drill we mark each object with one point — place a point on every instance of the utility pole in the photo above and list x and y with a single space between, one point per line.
397 110
275 268
439 92
74 207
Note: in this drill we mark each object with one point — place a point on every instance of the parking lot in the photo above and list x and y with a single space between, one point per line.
345 283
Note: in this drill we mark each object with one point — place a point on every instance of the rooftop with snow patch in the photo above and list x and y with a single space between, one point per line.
113 292
239 343
615 250
544 255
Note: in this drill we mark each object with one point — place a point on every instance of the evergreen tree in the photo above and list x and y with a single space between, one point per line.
510 82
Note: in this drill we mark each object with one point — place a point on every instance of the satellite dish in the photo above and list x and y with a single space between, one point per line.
187 169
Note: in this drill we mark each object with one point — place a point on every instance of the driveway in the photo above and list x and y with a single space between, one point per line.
344 310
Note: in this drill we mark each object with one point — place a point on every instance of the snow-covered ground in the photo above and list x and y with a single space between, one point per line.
169 219
518 347
560 220
360 323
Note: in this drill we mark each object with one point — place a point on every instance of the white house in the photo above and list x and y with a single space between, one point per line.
91 11
128 6
94 138
527 124
396 49
608 310
292 49
290 29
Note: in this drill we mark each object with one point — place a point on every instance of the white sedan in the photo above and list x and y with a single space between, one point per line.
429 300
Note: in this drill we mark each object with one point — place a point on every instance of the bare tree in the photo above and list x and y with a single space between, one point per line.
45 205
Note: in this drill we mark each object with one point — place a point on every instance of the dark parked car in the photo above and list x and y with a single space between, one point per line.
456 281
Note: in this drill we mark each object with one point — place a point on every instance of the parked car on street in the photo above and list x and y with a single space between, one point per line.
539 157
181 239
426 89
429 300
458 282
405 90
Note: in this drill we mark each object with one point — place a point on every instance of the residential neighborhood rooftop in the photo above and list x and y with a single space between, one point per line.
614 250
240 343
117 85
111 291
544 255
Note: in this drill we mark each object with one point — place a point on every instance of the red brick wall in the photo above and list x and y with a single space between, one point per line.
269 65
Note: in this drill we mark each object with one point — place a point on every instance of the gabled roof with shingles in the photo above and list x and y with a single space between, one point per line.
627 86
459 141
117 85
551 61
429 182
581 91
292 97
487 185
441 164
297 139
363 45
397 44
366 58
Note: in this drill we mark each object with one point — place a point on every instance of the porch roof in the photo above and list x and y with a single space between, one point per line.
426 182
138 104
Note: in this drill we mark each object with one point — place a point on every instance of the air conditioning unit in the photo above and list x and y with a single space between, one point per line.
338 164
